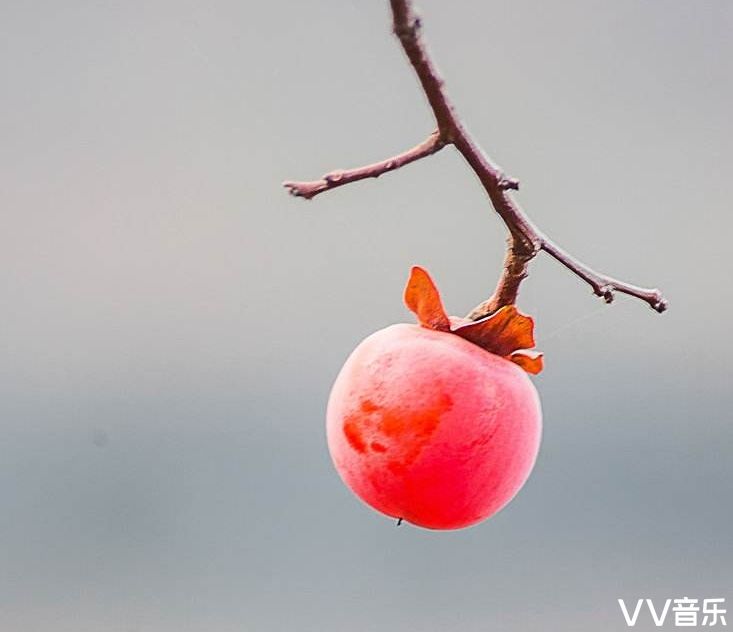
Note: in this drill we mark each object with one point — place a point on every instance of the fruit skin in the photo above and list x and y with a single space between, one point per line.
426 426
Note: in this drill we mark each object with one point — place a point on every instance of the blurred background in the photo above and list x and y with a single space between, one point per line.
172 321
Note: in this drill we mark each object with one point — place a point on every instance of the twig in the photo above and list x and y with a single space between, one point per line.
309 190
525 240
603 285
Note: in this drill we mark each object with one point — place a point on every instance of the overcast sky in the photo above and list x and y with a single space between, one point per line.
172 321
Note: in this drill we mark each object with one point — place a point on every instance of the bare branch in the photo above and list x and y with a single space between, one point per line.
605 286
526 240
309 190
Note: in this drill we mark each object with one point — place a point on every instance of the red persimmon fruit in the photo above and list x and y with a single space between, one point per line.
438 423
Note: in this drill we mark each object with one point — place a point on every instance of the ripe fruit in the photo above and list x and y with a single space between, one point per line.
426 425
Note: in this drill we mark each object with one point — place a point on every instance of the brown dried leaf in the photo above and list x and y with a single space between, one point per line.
506 332
530 361
502 333
423 298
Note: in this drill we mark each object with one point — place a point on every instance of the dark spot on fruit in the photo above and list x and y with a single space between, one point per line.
368 406
408 428
400 422
353 434
411 429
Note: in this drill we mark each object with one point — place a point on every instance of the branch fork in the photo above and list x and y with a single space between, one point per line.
525 239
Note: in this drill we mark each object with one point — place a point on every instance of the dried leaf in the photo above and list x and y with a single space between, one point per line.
505 333
530 361
423 298
502 333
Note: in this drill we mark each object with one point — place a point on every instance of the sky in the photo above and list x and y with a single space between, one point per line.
172 321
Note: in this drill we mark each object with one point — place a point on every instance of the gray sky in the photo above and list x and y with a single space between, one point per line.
172 321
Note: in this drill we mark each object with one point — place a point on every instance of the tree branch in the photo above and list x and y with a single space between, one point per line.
525 240
603 285
309 190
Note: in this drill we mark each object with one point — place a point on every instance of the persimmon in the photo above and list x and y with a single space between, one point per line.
438 423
